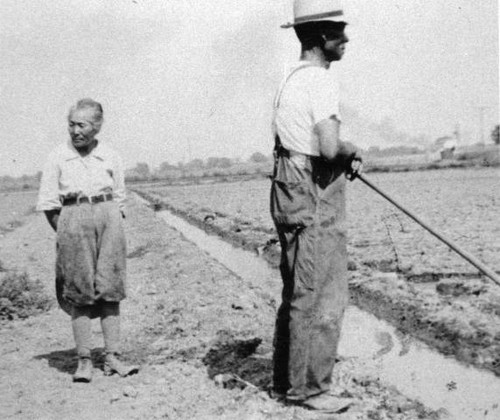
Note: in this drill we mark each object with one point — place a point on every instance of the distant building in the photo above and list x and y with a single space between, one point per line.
445 146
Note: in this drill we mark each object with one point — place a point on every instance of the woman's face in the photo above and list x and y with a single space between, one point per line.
81 127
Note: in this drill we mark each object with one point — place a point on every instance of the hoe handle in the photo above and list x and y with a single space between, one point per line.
473 260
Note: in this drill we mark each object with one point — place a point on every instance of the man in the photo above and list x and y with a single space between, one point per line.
82 193
308 209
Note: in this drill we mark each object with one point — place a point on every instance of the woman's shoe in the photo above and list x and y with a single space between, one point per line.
113 365
84 370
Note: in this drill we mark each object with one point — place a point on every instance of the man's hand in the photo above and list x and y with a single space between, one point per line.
355 168
352 161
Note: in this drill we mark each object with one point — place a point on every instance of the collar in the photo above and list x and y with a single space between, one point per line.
71 152
307 63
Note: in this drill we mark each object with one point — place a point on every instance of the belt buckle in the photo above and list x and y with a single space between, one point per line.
82 197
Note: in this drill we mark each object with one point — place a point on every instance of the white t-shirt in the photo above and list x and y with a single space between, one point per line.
309 96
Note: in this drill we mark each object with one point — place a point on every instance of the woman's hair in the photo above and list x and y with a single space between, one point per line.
86 103
311 34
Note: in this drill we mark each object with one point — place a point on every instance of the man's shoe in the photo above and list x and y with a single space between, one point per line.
277 395
325 403
84 370
113 365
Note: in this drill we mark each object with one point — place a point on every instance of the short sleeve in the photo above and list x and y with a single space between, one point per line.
324 98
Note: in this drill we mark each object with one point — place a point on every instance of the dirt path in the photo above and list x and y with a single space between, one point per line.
191 324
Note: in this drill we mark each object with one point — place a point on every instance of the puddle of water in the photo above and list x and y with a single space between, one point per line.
415 370
419 372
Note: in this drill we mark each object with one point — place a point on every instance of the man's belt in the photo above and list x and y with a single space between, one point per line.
281 151
94 199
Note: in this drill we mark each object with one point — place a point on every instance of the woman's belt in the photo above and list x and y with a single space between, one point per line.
93 199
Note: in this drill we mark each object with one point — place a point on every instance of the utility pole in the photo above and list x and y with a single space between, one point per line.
481 110
457 134
190 151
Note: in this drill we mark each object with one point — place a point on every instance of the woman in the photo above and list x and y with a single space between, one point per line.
82 193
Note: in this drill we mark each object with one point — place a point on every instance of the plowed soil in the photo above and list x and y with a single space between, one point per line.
201 336
434 294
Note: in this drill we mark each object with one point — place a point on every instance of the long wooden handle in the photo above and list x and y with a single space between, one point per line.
470 258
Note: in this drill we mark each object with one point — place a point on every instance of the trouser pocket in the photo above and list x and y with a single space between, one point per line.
292 203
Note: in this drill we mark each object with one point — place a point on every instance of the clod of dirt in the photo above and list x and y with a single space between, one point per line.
225 381
383 265
209 218
243 303
156 206
351 265
130 391
115 396
387 277
138 252
236 228
453 287
268 247
385 341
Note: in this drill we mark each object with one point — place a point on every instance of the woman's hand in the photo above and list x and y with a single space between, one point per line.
53 218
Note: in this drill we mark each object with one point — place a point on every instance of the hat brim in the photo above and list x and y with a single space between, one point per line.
292 25
336 16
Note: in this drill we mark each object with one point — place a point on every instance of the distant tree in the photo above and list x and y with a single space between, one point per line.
225 163
195 164
258 157
165 166
217 162
142 169
495 135
374 150
165 170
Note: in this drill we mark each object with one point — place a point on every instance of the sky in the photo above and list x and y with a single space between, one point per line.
186 79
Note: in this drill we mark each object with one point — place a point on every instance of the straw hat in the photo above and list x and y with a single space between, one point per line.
316 10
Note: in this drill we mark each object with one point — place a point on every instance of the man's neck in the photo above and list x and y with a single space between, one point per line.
316 57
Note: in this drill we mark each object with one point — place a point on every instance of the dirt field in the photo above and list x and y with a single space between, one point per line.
436 295
14 207
202 337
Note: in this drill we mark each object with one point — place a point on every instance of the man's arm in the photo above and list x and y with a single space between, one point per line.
48 197
53 217
330 145
334 150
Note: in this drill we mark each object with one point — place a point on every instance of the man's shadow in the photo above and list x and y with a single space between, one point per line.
66 360
233 363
